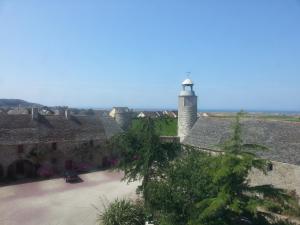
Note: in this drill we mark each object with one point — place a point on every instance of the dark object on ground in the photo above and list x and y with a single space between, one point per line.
71 176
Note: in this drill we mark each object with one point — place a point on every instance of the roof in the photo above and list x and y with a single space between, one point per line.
21 129
282 138
151 114
187 82
120 109
173 114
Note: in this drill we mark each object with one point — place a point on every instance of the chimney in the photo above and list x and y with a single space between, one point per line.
67 113
34 113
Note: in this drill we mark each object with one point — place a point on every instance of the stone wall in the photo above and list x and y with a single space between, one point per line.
90 152
282 175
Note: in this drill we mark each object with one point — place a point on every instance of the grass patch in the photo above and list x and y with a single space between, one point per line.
164 126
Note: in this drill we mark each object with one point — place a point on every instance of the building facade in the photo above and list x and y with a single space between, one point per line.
29 143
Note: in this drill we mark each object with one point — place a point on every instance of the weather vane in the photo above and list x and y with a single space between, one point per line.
188 74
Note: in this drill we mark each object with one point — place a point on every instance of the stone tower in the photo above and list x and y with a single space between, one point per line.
187 109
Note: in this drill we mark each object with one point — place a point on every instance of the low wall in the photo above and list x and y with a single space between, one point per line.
170 139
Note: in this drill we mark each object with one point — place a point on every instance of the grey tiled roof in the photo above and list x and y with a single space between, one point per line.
282 138
110 125
21 129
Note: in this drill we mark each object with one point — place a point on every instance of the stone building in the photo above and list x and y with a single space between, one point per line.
282 138
59 142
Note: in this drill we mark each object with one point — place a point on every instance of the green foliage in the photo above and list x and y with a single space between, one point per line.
211 190
165 126
188 178
142 155
198 188
37 155
122 212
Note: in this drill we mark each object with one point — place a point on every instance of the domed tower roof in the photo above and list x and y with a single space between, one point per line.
187 82
187 88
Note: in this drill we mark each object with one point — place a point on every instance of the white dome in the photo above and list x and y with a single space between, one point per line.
187 82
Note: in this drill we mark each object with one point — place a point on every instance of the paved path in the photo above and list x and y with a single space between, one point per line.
54 202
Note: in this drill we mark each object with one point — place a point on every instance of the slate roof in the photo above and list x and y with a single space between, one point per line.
21 129
151 114
282 138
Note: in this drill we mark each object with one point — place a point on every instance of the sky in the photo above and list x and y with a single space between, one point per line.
105 53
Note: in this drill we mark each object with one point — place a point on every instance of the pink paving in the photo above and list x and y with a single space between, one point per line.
54 202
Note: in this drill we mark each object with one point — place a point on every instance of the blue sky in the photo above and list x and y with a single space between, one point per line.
104 53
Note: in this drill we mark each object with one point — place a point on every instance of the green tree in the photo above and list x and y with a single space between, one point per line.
235 200
173 199
199 188
142 155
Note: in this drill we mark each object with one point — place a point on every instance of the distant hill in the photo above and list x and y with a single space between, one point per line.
7 103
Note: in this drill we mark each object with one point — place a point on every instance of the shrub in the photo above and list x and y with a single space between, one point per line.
123 212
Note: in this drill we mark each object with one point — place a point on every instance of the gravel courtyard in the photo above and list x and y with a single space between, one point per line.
54 202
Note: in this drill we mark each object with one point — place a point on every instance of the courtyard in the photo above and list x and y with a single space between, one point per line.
55 202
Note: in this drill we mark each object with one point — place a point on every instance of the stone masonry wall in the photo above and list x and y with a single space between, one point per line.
187 114
68 150
282 175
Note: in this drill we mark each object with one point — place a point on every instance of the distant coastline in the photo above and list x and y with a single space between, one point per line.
287 112
279 112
